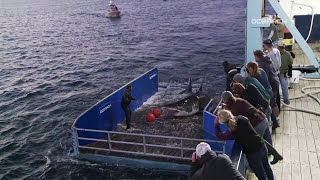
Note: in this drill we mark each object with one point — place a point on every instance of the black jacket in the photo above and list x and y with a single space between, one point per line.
267 65
213 167
247 136
255 98
126 98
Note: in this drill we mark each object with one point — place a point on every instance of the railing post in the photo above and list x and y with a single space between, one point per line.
109 141
224 147
75 141
144 144
181 148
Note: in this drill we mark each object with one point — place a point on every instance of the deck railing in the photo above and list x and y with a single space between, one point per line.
182 145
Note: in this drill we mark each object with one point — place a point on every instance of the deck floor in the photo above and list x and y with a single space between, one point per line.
298 138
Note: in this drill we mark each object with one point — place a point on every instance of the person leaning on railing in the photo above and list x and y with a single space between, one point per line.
206 165
243 133
257 118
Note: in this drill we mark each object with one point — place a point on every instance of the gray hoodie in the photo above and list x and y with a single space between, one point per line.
267 65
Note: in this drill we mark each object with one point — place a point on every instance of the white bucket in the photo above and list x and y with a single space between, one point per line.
295 76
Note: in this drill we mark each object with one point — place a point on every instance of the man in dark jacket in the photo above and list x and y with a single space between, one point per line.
125 104
206 165
266 64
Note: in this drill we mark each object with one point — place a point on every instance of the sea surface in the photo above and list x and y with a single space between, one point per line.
58 58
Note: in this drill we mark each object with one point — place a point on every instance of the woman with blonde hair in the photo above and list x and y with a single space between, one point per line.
243 133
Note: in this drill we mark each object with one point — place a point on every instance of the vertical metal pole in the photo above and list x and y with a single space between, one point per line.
224 147
75 141
144 144
181 148
109 141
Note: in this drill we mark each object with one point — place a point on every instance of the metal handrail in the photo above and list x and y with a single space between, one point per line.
149 135
136 153
144 144
139 144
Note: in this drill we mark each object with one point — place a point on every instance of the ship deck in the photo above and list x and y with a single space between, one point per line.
298 138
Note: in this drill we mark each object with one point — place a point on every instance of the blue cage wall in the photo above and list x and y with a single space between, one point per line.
209 132
106 114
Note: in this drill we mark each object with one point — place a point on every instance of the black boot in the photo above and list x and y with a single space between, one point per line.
276 156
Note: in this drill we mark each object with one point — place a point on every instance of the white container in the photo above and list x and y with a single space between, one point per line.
295 76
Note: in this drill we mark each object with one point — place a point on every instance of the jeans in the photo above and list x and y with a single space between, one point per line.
260 165
284 86
274 119
263 130
268 112
127 112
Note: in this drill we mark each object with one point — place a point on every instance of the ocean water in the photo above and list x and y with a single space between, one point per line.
60 57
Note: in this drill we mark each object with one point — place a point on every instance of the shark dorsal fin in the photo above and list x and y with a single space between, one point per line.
189 87
200 88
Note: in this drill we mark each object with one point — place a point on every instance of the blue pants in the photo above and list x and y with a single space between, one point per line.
263 130
284 87
127 112
268 112
260 165
274 119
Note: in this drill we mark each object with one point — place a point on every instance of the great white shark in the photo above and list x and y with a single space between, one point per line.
189 102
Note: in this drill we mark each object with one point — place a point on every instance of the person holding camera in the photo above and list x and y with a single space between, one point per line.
206 165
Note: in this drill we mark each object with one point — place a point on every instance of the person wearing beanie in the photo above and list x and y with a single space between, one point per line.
257 118
243 133
207 165
230 70
286 65
238 78
251 94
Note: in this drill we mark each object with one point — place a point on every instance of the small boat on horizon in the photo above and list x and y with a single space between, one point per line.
113 11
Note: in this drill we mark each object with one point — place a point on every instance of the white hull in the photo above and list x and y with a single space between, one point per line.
113 14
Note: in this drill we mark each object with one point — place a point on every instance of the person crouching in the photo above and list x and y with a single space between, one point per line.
206 165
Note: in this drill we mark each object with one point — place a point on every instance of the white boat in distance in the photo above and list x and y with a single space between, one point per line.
113 11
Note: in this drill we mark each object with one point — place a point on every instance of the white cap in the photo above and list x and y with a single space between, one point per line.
202 148
281 43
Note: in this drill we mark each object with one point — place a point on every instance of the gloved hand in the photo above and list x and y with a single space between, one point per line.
290 71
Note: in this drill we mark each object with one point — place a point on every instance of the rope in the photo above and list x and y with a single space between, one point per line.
305 94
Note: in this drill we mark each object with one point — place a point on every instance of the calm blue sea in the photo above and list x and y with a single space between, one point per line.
60 57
